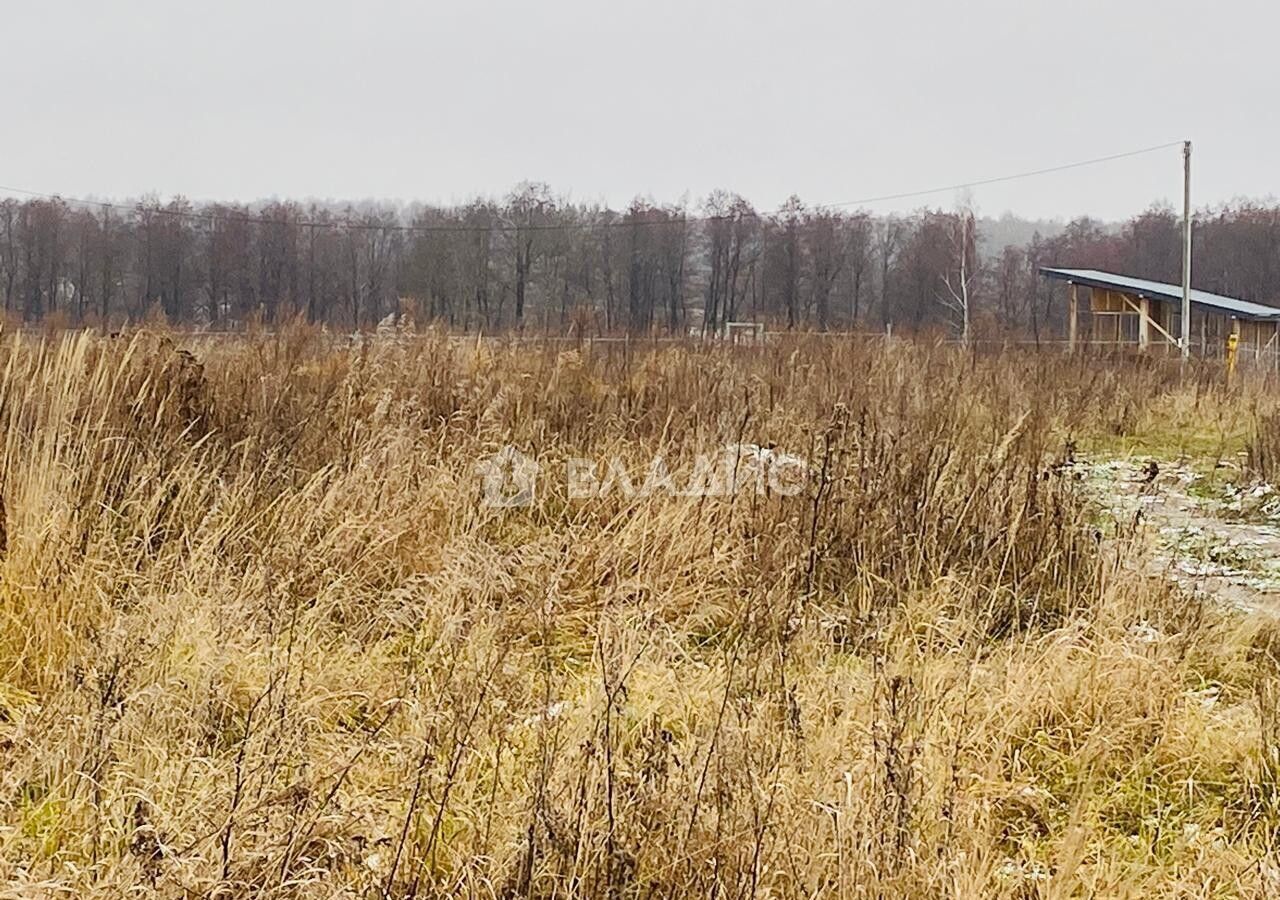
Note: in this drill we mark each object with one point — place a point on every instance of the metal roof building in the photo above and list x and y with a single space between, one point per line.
1158 290
1134 310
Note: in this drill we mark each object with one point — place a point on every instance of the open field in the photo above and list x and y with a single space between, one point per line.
260 634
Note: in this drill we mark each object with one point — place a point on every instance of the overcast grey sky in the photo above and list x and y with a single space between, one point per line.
603 100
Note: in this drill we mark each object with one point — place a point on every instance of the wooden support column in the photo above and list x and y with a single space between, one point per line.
1233 348
1072 304
1145 321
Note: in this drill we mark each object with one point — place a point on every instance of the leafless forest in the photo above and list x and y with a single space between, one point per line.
538 261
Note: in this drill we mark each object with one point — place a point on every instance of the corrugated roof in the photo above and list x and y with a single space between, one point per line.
1157 290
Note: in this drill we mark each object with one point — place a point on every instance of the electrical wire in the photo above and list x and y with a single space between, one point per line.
213 218
1003 178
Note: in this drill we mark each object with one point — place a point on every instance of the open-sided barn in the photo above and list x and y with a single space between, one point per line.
1147 314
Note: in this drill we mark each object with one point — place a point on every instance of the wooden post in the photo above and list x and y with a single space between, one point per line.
1071 319
1144 323
1233 342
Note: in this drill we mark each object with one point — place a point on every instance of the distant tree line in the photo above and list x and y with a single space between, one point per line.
537 261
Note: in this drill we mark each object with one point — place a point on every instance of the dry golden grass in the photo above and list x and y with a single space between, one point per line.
259 637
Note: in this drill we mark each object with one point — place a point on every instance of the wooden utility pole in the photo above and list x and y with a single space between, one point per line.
1186 249
964 276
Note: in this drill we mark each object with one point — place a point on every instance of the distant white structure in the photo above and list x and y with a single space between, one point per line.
744 332
64 294
734 332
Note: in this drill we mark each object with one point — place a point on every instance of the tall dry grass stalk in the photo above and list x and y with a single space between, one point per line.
259 637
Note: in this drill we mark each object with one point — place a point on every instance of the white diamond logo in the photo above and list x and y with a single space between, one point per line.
509 479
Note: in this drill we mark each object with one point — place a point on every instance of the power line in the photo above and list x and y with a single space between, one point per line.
499 224
1003 178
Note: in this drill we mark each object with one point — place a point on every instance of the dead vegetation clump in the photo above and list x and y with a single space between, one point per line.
261 637
1264 446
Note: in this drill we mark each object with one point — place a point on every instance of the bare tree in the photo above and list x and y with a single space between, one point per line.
9 224
959 281
858 250
528 208
1010 269
825 260
888 242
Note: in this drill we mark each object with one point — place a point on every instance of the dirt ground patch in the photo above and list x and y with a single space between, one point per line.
1211 532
